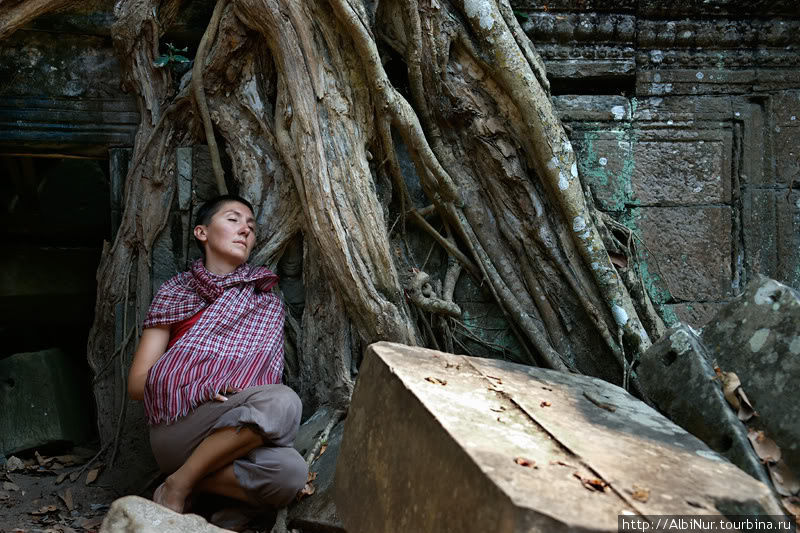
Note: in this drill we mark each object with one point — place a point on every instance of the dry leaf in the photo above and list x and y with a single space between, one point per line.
66 497
545 404
786 483
436 381
92 475
311 476
61 477
730 382
592 483
67 460
792 504
45 510
765 448
73 476
522 461
7 485
89 523
640 494
307 490
746 411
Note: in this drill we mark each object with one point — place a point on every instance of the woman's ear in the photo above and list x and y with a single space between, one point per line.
200 233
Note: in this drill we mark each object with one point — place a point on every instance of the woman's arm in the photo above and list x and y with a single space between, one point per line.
152 345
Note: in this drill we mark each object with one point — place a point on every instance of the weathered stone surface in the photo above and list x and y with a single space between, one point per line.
757 336
43 401
677 376
133 514
695 314
681 172
317 513
439 442
771 223
689 251
625 170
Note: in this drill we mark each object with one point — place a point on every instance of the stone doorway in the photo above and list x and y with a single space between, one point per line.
55 214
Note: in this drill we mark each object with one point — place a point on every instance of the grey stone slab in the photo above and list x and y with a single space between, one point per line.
317 513
134 514
683 109
676 374
771 227
43 401
439 442
592 108
688 254
696 314
757 336
682 172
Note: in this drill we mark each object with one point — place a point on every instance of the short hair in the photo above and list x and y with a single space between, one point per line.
210 208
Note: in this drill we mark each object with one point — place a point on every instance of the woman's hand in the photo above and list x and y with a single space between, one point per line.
220 398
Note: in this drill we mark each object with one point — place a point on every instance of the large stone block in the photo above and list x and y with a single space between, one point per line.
134 514
688 254
757 336
677 375
447 443
43 400
682 172
626 168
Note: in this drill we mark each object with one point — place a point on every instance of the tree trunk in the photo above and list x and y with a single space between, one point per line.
315 126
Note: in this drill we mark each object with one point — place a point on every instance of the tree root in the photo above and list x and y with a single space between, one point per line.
20 12
200 95
423 296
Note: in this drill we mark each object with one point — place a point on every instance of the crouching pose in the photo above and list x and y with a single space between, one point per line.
209 366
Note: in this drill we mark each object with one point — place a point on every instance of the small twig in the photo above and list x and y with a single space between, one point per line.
446 244
89 463
200 95
337 417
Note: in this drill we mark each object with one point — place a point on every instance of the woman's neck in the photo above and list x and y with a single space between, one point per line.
218 266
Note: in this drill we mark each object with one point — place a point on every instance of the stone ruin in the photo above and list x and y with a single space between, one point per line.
684 117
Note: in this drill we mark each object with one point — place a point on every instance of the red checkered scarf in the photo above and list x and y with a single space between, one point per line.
237 342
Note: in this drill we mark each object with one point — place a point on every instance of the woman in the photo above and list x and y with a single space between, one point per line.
209 366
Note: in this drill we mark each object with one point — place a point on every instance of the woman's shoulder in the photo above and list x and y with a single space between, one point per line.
179 280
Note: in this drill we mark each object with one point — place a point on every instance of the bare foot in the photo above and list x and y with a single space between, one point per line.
171 495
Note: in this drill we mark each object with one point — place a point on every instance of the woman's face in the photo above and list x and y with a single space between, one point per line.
230 235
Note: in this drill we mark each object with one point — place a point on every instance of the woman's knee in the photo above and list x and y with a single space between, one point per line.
287 475
281 402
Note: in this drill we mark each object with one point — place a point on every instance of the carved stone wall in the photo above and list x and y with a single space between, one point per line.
684 116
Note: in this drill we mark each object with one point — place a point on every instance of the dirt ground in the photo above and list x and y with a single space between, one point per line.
53 494
68 493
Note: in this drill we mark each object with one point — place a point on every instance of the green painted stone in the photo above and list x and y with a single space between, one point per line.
42 399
